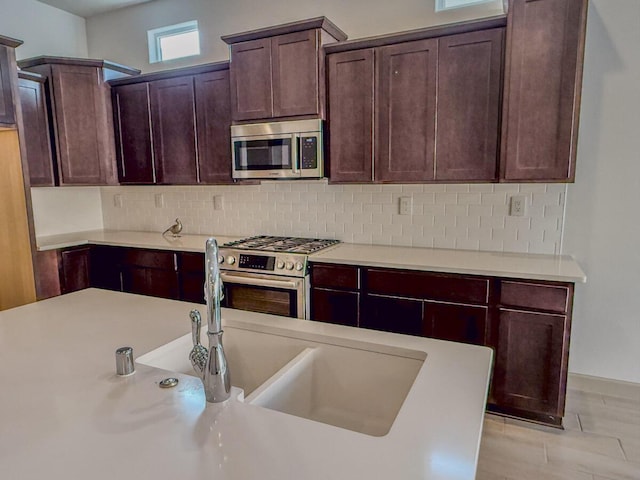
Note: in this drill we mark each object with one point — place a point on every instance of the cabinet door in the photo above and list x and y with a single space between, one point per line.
192 277
213 113
133 133
334 306
251 87
7 111
406 112
392 314
530 365
469 86
83 125
351 83
174 130
295 73
543 76
457 323
37 142
75 269
106 267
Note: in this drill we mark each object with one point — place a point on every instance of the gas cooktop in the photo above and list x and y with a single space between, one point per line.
265 243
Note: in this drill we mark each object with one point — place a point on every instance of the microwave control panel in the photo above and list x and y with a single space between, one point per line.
309 152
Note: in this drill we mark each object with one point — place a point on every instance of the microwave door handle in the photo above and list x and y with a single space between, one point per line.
295 151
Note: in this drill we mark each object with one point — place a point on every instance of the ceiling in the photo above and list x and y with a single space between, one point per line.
87 8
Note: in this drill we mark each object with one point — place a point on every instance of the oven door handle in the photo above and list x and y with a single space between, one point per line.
260 282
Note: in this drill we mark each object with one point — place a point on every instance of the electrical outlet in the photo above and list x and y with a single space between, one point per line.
218 202
159 200
518 206
405 205
117 200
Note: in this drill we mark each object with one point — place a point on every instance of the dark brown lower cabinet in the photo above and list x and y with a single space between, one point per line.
192 277
526 323
335 306
75 270
105 267
391 314
154 282
530 364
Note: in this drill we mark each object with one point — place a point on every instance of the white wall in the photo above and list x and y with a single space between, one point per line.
45 30
602 220
121 35
58 210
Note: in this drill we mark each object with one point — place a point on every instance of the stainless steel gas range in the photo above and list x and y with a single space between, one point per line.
269 274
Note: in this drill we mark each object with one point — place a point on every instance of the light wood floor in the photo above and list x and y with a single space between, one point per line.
601 440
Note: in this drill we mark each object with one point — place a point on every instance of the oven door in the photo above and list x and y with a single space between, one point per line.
277 295
266 156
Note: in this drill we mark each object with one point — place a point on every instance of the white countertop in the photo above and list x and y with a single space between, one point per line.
152 240
66 415
561 268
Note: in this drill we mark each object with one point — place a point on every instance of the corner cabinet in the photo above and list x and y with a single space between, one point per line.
387 95
7 67
81 116
527 323
543 81
278 72
174 127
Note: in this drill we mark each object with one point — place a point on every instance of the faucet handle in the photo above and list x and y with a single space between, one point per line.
196 323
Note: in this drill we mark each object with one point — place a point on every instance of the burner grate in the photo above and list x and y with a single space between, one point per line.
282 244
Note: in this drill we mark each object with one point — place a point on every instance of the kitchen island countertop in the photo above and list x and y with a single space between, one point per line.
67 415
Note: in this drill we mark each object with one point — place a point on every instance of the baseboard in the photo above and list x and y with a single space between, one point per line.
603 386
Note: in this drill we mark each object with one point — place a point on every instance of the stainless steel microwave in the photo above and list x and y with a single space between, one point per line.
275 150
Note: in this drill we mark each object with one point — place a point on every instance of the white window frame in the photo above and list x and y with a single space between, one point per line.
442 5
155 35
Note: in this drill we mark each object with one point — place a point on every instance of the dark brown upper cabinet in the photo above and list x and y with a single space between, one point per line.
81 110
406 111
37 139
350 119
435 109
543 79
7 71
133 133
278 72
213 120
174 127
469 88
173 123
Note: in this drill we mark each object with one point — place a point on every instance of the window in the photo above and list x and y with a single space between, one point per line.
174 41
449 4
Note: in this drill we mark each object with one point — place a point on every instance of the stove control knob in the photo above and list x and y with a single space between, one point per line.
289 265
299 266
220 259
231 259
280 264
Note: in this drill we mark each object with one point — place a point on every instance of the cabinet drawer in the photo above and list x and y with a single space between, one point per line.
335 276
150 259
429 286
539 296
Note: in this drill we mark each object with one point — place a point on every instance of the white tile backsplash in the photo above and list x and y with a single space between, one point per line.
470 217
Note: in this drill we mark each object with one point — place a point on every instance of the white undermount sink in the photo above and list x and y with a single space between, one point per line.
359 389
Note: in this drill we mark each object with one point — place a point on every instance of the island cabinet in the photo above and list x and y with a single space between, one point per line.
278 72
526 323
174 127
37 138
543 78
387 95
81 116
